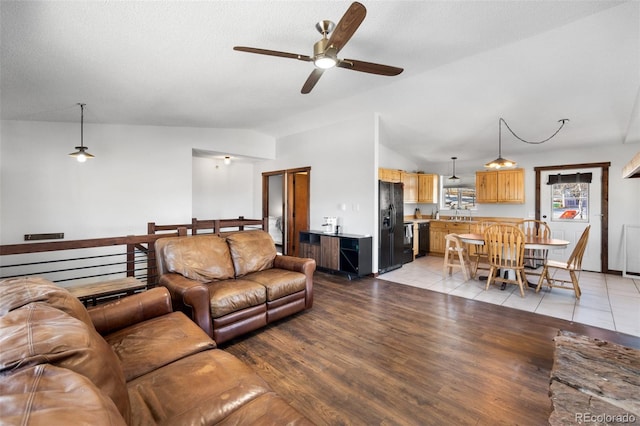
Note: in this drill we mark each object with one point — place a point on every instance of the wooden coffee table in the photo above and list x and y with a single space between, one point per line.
92 292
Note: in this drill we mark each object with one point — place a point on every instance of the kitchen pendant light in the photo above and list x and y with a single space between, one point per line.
454 178
500 162
503 162
81 153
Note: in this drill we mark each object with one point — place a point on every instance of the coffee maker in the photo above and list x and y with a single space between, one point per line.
330 225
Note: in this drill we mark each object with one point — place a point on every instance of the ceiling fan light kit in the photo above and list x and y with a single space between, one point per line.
325 51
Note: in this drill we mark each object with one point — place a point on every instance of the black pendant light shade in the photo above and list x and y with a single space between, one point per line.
453 177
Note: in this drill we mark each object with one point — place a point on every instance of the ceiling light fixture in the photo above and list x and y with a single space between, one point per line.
454 178
227 160
502 162
81 153
324 56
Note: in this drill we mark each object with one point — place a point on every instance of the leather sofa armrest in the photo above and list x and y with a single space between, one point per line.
298 264
303 265
192 294
114 316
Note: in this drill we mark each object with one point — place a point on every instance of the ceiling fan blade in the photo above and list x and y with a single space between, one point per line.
370 67
312 80
347 26
273 53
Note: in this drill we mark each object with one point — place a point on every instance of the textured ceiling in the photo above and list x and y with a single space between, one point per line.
466 63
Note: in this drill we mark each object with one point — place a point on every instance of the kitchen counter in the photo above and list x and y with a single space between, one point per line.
450 219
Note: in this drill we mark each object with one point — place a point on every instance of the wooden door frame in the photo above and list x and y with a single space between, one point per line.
604 203
287 203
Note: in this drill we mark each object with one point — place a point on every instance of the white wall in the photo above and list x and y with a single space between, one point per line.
222 191
343 178
140 174
343 171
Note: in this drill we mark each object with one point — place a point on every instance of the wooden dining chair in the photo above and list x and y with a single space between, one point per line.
455 256
533 228
478 252
505 247
573 264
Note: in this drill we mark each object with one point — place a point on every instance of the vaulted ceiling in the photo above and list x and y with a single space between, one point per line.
466 64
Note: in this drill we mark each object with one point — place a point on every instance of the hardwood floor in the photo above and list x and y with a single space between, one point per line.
373 352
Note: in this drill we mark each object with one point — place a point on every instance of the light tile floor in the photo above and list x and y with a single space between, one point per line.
608 301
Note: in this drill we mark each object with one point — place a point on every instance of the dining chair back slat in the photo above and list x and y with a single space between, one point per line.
505 248
532 228
478 252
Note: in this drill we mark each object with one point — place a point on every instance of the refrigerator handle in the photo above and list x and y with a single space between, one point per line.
392 217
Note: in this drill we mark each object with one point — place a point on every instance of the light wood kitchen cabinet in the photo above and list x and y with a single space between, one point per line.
389 175
487 187
500 186
439 229
427 188
410 181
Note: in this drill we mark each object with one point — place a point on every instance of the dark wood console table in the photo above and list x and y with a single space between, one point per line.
348 254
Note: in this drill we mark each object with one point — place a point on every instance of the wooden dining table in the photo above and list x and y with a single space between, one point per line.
531 242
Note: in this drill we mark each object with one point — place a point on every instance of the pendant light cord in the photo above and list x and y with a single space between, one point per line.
563 121
81 124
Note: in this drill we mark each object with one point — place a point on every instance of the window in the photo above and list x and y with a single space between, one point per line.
570 197
458 198
570 201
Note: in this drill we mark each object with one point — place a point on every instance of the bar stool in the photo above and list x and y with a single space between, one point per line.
455 256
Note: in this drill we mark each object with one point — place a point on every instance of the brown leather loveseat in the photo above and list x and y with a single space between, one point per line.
130 362
232 284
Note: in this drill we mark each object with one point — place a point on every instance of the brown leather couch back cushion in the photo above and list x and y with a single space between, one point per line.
38 333
18 292
251 251
202 258
52 396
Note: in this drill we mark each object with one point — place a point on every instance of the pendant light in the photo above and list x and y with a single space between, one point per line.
81 153
454 178
226 160
502 162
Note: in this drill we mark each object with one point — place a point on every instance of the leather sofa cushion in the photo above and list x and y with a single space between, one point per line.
279 282
51 396
213 384
233 295
37 334
146 346
202 258
267 409
17 292
251 251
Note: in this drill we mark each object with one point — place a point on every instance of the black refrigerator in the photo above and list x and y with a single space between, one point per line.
391 223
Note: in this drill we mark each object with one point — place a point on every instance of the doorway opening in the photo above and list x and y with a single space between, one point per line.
550 203
285 202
